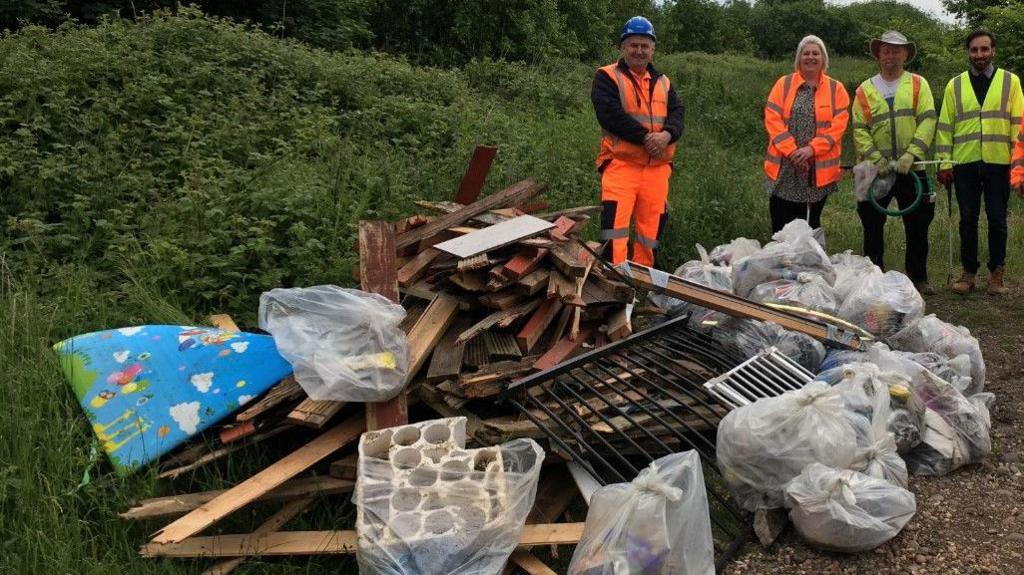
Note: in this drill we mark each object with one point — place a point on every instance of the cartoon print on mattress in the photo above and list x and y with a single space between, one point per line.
147 389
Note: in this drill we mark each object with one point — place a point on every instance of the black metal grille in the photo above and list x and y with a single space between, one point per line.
618 408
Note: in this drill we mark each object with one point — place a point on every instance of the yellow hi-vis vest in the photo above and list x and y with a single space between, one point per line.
908 126
971 132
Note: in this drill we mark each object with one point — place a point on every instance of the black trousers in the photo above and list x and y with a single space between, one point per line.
915 226
784 211
975 181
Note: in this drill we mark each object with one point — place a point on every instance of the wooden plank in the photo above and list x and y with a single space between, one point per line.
494 237
560 287
346 468
471 282
446 361
175 505
502 300
476 173
561 351
222 452
377 259
563 225
619 326
571 212
272 524
314 414
501 346
568 258
477 262
523 263
287 390
534 281
237 432
502 319
538 322
488 381
517 193
529 563
282 543
416 267
554 494
223 321
263 482
476 353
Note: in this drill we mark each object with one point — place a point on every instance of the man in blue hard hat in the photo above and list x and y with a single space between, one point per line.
641 119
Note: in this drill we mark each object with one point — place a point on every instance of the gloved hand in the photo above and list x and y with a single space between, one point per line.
904 164
884 167
945 177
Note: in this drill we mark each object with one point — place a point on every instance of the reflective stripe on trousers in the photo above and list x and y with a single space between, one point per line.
633 192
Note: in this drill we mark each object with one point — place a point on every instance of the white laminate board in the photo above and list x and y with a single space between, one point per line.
495 236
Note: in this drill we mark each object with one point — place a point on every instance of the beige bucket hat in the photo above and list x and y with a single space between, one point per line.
896 39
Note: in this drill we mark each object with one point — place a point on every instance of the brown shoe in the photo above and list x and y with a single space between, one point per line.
964 285
924 288
995 283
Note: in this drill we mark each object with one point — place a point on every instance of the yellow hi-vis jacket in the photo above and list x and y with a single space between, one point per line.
908 126
971 132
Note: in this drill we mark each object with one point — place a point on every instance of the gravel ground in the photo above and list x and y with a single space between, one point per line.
968 522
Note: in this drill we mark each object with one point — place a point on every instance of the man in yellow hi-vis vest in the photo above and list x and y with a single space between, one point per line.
980 117
893 126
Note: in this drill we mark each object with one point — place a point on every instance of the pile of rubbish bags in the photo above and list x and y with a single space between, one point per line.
837 453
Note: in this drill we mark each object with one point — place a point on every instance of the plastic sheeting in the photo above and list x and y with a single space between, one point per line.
749 337
344 344
658 524
764 445
847 511
883 304
807 291
428 506
932 334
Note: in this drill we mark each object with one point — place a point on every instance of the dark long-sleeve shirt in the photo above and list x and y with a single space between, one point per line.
604 94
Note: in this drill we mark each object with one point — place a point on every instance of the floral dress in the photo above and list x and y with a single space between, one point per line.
792 184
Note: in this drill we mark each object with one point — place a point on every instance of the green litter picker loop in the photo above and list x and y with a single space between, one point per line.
919 195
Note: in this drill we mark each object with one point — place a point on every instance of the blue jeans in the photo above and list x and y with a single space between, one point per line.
975 181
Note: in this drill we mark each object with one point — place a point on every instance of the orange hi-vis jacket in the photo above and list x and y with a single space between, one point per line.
831 102
1017 161
650 110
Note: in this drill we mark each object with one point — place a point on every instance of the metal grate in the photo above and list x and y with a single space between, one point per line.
767 374
618 408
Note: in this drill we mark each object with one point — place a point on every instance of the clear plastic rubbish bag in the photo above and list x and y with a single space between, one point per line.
864 181
955 370
845 510
426 505
796 250
851 270
749 337
797 229
344 344
807 291
883 304
762 446
701 272
734 251
932 334
956 429
658 524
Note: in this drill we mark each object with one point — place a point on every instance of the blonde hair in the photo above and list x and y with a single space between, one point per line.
810 39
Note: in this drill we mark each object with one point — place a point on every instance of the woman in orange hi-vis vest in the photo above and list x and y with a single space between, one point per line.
1017 162
641 119
806 116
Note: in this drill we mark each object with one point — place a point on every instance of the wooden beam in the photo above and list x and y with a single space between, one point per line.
286 390
446 361
476 173
222 452
523 263
416 267
263 482
538 322
500 318
561 351
314 414
224 322
517 193
175 505
282 543
377 259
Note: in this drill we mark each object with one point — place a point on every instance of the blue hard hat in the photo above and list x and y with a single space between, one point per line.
638 26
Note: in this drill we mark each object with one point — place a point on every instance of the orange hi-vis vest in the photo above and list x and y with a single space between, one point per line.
1017 160
831 115
649 109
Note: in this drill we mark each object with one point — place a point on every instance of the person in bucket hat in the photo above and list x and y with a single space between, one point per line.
893 125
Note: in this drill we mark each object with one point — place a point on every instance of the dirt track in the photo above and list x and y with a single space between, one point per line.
968 522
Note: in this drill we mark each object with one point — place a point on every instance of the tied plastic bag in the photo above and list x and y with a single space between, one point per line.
658 524
700 271
749 337
797 229
866 180
808 291
426 505
865 392
762 446
795 250
955 370
883 304
344 344
847 511
734 251
850 270
956 429
932 334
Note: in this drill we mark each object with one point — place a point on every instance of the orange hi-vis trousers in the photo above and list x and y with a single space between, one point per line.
628 188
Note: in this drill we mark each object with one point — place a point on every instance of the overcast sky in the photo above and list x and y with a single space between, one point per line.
933 7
